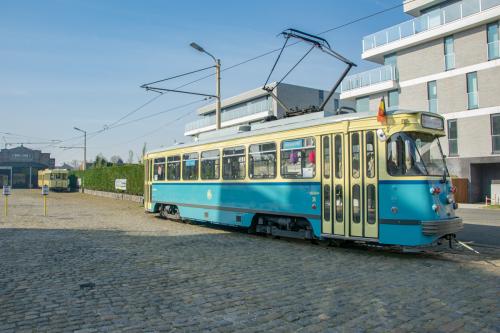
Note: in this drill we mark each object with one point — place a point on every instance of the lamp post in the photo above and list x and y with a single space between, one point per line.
84 154
217 83
84 147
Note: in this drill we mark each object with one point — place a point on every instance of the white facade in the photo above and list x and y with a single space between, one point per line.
447 60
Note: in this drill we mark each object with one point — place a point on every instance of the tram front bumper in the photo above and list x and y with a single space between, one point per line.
442 227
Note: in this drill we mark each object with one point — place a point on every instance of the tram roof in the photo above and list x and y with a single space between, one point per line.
279 125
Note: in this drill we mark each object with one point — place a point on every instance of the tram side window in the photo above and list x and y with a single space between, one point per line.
371 204
370 155
326 157
190 166
233 163
327 204
262 161
356 204
355 155
339 204
298 158
159 169
338 156
210 164
174 167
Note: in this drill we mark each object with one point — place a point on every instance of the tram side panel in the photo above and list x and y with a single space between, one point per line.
236 204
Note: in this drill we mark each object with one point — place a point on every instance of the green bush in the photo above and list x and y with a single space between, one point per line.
103 179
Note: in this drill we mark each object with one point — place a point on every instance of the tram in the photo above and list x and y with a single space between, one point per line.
55 179
346 177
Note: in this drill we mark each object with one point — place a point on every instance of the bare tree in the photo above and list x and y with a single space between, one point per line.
75 164
130 157
115 159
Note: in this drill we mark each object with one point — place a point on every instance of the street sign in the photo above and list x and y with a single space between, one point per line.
121 184
6 190
45 190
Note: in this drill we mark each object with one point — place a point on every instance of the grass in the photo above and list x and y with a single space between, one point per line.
492 207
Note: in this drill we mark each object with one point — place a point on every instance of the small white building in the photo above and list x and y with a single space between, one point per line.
256 105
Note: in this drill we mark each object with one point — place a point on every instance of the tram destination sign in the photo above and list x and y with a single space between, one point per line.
121 184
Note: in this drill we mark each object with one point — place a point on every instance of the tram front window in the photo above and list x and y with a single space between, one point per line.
415 154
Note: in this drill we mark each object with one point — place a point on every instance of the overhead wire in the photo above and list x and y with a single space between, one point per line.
113 125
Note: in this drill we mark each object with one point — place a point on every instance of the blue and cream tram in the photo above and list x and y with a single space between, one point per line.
347 177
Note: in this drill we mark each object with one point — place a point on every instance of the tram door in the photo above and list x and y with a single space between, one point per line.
333 184
363 184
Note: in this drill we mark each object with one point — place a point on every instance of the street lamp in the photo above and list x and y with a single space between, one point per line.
84 147
217 86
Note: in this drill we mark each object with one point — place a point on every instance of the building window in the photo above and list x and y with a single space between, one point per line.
233 163
432 96
449 53
493 41
390 59
159 169
363 104
210 164
495 132
262 161
472 98
336 104
452 138
321 95
393 97
174 167
298 158
190 166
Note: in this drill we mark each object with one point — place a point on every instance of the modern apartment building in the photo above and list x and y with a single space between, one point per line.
445 60
256 105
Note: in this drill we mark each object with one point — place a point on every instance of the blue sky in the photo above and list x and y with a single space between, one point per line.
80 63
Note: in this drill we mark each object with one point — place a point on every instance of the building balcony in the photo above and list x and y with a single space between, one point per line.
229 118
365 83
437 23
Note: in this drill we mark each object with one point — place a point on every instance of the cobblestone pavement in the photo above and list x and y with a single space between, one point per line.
102 265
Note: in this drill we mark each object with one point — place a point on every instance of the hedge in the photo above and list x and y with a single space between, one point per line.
103 179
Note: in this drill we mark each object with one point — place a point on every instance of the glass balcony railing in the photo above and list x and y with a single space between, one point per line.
374 76
494 50
239 111
436 18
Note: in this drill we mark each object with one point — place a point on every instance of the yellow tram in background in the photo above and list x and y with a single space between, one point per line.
55 179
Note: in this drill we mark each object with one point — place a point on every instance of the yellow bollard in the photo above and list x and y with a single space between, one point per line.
6 193
45 193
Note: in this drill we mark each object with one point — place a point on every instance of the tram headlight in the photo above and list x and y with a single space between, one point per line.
436 208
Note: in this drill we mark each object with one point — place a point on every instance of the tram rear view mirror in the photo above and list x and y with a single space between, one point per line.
381 135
